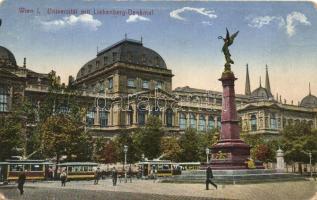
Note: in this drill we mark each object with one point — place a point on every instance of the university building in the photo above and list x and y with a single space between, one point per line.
127 82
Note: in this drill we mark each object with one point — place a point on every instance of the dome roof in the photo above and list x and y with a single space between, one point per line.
309 101
7 58
127 51
261 92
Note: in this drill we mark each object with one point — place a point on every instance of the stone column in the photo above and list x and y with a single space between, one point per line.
206 122
197 121
280 165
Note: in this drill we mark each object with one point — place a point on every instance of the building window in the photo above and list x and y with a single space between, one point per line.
219 122
105 60
169 118
158 85
273 121
97 63
103 117
192 121
145 84
131 82
110 83
4 96
202 123
156 111
90 118
143 58
114 56
130 57
182 121
253 123
130 116
211 123
89 68
157 61
141 115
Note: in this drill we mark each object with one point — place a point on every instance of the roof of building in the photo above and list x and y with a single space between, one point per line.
261 92
309 101
7 58
127 51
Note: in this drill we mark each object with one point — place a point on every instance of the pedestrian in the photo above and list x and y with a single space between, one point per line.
209 176
130 174
50 173
97 176
114 176
154 172
63 178
21 181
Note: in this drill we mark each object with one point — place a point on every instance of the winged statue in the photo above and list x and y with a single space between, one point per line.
228 40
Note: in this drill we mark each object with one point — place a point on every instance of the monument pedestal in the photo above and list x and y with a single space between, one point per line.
230 152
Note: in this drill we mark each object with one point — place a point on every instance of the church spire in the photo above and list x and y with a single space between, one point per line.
260 82
267 80
247 90
309 89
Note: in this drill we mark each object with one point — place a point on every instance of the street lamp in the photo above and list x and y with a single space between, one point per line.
207 153
142 168
125 150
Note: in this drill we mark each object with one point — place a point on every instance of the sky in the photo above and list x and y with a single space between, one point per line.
282 35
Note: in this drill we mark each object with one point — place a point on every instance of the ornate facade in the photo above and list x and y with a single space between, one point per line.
127 82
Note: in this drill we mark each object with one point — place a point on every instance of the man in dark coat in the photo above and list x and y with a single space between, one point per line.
97 176
114 176
209 176
21 181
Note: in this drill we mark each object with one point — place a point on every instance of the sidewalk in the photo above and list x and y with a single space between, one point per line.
285 190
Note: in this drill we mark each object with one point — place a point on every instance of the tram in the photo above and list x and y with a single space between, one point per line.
34 169
161 167
78 170
188 165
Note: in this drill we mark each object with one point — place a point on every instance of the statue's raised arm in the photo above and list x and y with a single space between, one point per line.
228 40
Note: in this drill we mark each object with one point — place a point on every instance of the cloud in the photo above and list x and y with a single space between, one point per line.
259 22
203 11
208 23
1 1
289 23
85 20
136 18
293 19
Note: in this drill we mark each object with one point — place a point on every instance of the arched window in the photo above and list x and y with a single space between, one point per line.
103 117
141 115
182 121
253 123
130 116
90 117
211 122
273 121
202 123
192 121
156 111
4 96
169 117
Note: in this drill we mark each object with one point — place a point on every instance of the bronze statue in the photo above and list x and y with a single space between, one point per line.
225 49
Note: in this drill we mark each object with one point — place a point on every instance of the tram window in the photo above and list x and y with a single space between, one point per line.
27 167
70 169
36 168
89 168
16 168
85 168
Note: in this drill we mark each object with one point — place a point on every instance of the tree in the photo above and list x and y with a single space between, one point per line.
170 148
110 152
297 141
190 147
205 140
149 138
10 137
133 153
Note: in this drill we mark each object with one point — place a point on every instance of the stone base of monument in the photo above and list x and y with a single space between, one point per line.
240 176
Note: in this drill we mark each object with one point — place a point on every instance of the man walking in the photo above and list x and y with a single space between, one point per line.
63 178
209 176
130 173
114 176
97 176
21 181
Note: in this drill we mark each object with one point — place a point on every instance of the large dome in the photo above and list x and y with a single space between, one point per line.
309 101
7 58
127 51
261 92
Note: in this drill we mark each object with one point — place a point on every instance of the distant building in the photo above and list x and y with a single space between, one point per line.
127 82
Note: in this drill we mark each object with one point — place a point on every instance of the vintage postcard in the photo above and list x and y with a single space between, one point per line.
158 99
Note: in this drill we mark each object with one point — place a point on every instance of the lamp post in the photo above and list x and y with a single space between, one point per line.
311 173
207 154
142 168
125 150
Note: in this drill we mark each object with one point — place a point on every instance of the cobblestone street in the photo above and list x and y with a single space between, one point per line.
149 190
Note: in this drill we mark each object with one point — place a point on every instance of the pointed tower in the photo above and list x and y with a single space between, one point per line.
247 90
260 82
309 90
267 80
